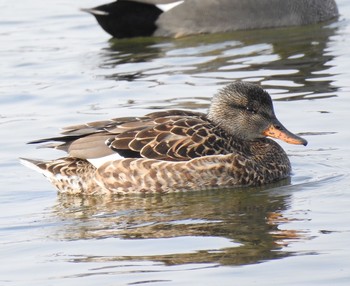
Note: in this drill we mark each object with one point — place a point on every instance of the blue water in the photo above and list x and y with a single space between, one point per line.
59 68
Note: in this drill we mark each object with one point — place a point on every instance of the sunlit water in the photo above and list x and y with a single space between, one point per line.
59 68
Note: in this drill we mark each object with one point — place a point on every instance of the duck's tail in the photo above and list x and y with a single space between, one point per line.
36 165
69 175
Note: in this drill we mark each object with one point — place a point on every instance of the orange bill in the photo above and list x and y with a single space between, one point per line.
277 130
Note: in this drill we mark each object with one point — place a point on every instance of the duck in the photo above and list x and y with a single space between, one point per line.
174 150
174 18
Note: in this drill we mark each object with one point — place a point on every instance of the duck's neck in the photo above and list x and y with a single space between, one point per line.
264 151
270 155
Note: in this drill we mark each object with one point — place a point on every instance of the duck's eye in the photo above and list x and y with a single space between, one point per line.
251 109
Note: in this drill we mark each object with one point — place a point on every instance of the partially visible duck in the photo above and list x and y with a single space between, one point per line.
174 18
175 150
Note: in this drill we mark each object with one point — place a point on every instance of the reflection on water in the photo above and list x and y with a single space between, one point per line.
248 219
298 61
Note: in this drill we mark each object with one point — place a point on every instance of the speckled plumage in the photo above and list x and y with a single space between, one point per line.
175 150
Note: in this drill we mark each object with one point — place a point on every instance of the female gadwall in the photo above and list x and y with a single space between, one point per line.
173 18
174 150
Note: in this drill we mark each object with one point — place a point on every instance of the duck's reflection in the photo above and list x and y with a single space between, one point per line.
295 60
249 218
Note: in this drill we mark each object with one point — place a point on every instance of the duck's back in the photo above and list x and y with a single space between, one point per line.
206 16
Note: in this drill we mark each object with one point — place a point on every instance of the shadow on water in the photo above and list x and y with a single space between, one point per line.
249 218
294 58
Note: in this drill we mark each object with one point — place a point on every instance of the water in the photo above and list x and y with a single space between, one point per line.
59 68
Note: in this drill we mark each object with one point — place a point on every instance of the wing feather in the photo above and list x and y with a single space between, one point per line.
166 135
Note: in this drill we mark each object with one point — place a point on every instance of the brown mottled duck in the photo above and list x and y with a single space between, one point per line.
174 150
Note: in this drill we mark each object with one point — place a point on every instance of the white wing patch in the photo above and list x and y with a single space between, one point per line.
167 7
97 162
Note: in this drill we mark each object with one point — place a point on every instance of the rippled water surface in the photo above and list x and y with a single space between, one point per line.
59 68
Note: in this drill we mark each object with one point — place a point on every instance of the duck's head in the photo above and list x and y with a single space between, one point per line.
245 111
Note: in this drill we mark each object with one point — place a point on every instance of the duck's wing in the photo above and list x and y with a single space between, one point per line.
89 140
172 137
169 135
